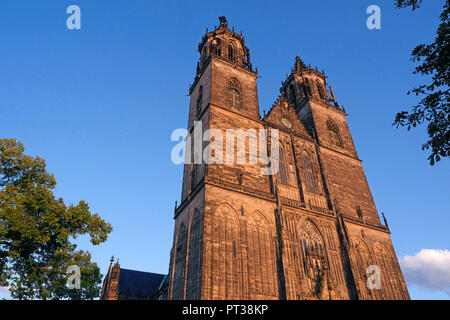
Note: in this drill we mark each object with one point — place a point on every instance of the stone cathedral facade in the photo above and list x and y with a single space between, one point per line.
311 230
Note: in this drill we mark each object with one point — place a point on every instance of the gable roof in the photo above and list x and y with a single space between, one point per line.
138 283
282 109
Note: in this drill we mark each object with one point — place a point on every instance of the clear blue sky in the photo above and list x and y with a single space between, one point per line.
99 104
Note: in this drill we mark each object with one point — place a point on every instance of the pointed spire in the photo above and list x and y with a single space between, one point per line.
223 22
299 64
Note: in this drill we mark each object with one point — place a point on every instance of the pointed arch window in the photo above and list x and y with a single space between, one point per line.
260 261
363 259
308 173
234 93
333 131
227 282
231 52
180 265
306 87
282 169
199 100
359 212
292 94
218 48
193 276
194 175
320 90
391 287
312 250
305 91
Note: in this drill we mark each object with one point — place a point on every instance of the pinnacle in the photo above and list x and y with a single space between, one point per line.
223 22
299 64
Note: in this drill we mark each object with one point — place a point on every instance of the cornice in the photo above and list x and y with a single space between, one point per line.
213 181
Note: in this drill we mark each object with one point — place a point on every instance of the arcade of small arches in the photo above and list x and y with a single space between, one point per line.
379 256
306 169
242 249
308 88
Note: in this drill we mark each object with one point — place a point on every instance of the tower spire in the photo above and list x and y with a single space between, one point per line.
299 64
223 22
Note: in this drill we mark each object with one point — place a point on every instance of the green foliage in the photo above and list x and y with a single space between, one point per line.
434 108
36 229
406 3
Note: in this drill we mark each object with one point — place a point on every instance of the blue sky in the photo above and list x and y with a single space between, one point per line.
99 104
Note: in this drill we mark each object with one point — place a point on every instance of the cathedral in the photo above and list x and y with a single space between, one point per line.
309 231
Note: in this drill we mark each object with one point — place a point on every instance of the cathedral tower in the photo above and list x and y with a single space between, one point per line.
310 230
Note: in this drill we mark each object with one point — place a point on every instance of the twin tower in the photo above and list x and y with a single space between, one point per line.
309 231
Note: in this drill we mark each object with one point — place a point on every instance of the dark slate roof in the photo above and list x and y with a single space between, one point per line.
139 284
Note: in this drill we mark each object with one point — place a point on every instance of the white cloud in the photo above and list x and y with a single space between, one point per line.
429 269
4 290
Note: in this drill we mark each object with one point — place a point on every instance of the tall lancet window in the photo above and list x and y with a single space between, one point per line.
320 90
291 94
307 87
199 100
312 251
217 48
308 173
230 52
282 169
234 94
179 265
335 137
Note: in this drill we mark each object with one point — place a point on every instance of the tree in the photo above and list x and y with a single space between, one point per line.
36 230
434 107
